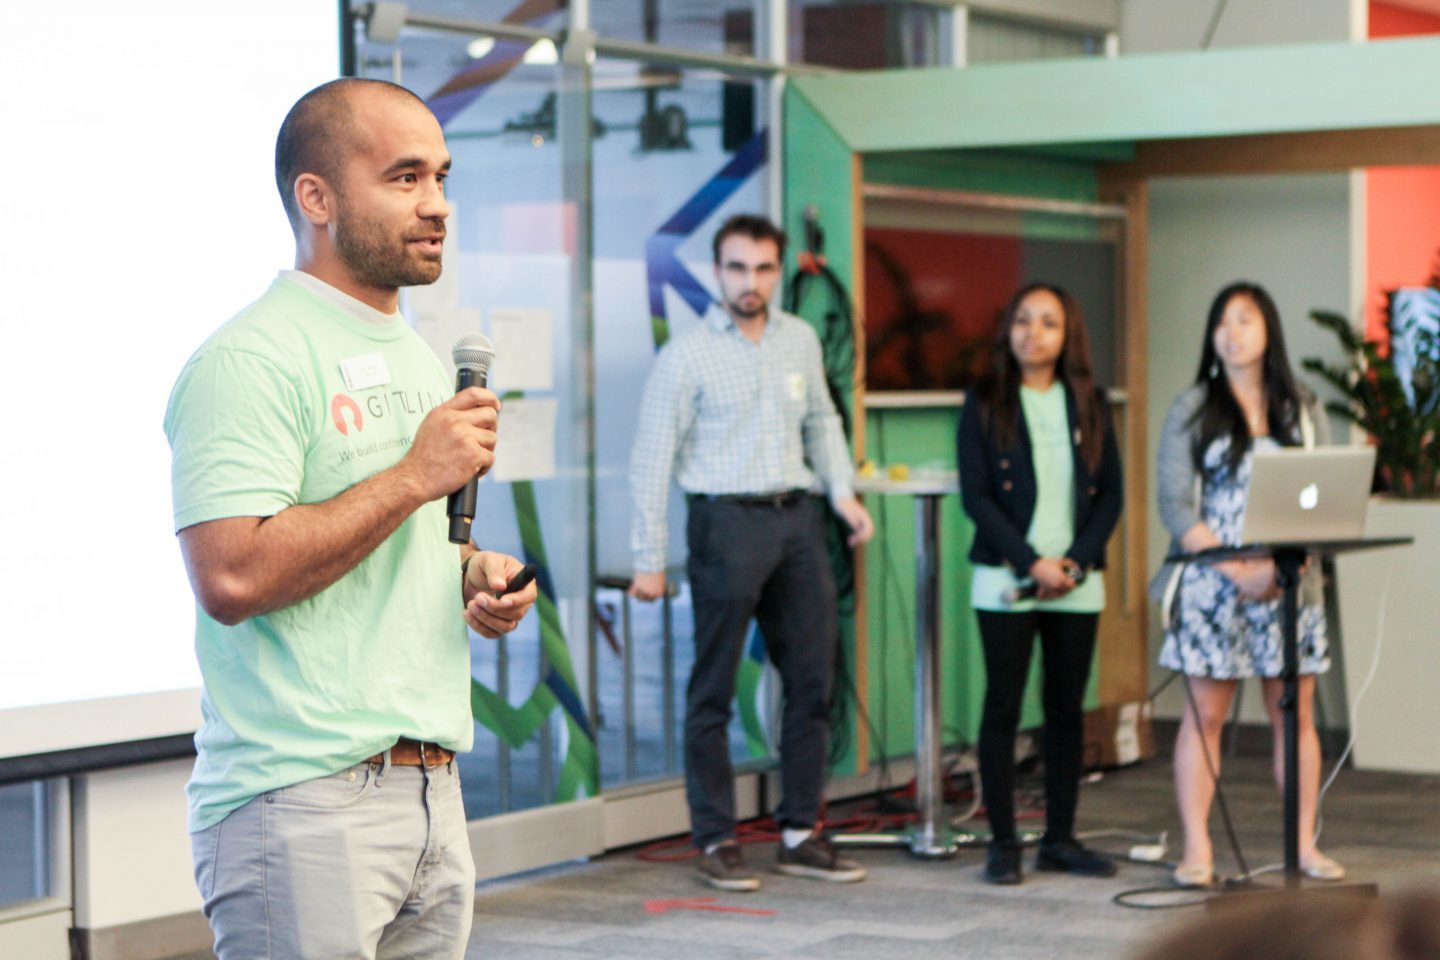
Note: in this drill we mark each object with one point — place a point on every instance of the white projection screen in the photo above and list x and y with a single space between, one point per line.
139 213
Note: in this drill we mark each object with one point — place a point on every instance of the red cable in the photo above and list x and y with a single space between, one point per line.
869 820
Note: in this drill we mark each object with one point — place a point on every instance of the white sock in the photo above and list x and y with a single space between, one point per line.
713 847
793 838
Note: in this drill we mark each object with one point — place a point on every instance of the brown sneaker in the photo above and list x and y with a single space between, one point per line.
815 857
724 868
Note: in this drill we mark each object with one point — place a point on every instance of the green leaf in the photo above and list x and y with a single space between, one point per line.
1404 424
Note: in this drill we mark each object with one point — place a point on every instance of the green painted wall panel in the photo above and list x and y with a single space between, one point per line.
986 171
818 166
1298 87
818 171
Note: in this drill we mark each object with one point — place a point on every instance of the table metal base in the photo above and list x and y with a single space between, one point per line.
938 843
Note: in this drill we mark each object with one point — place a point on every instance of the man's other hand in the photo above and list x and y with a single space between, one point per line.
853 512
648 586
485 576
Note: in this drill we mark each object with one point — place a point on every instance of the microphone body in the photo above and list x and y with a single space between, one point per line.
1024 590
473 355
1027 588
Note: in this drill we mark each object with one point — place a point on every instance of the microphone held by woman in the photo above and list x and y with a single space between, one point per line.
1028 589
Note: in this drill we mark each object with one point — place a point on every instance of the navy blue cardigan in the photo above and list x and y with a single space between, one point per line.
998 490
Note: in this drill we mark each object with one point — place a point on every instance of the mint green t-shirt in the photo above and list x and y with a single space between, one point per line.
1052 526
261 419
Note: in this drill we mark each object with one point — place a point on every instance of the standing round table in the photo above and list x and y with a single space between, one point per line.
930 837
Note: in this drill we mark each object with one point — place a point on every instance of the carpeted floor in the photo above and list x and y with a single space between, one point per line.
1384 827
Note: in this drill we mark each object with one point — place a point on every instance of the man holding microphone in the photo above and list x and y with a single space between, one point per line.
313 437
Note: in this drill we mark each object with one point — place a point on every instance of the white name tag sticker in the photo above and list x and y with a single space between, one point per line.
795 386
362 373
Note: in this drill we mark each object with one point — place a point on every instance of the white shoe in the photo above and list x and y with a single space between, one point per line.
1193 875
1317 866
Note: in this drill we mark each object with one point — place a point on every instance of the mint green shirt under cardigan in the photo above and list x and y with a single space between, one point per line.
262 419
1052 527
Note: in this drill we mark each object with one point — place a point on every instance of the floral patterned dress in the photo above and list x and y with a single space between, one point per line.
1213 631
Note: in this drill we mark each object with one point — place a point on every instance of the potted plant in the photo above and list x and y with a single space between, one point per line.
1389 604
1392 390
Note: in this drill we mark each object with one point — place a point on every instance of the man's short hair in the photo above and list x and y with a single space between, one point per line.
749 225
318 134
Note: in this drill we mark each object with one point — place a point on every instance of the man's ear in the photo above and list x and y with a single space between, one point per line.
315 199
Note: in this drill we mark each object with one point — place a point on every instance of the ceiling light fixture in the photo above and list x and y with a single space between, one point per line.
542 54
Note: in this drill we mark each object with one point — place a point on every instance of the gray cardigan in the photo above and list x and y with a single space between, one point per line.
1177 482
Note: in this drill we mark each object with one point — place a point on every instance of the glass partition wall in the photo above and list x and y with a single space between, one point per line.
597 146
682 149
590 169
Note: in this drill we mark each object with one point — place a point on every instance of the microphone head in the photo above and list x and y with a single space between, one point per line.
473 351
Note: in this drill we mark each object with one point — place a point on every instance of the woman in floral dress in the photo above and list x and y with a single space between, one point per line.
1223 619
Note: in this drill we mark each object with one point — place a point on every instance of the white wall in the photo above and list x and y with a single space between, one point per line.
1291 234
132 851
1155 26
42 937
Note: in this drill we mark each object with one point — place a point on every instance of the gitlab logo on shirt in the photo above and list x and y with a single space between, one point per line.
339 404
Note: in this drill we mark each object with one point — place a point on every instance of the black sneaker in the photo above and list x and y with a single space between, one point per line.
724 868
815 857
1002 863
1068 856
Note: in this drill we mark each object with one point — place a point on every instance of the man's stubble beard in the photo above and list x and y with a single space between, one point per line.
378 260
739 311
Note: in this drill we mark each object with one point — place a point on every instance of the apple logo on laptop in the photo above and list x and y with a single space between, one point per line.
1309 497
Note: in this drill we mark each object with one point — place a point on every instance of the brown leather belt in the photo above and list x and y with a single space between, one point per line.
413 753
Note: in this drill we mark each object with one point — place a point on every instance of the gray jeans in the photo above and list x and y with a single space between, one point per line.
372 862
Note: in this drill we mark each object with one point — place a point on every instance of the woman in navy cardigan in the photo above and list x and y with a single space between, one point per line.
1040 478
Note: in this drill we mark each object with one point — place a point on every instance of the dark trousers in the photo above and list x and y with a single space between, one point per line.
1067 642
769 563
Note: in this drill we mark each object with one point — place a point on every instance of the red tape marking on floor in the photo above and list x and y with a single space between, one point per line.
701 903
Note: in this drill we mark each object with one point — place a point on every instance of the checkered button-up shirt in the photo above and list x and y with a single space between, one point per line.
724 415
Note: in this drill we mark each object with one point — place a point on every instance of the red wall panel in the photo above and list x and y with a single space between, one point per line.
1402 219
931 303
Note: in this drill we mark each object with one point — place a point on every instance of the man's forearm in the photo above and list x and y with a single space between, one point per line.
246 566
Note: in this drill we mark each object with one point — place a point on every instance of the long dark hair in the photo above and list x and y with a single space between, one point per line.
1220 414
1001 387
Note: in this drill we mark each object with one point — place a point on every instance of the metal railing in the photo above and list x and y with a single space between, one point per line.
634 726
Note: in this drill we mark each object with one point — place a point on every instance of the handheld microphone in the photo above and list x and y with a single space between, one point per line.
1027 588
1024 590
473 353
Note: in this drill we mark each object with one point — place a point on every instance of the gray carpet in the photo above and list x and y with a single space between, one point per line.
1385 828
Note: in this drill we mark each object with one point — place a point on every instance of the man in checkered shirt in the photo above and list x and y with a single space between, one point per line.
737 412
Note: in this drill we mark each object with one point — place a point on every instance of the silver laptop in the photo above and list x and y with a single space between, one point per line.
1305 495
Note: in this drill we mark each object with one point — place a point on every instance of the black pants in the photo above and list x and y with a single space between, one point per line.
769 563
1067 641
